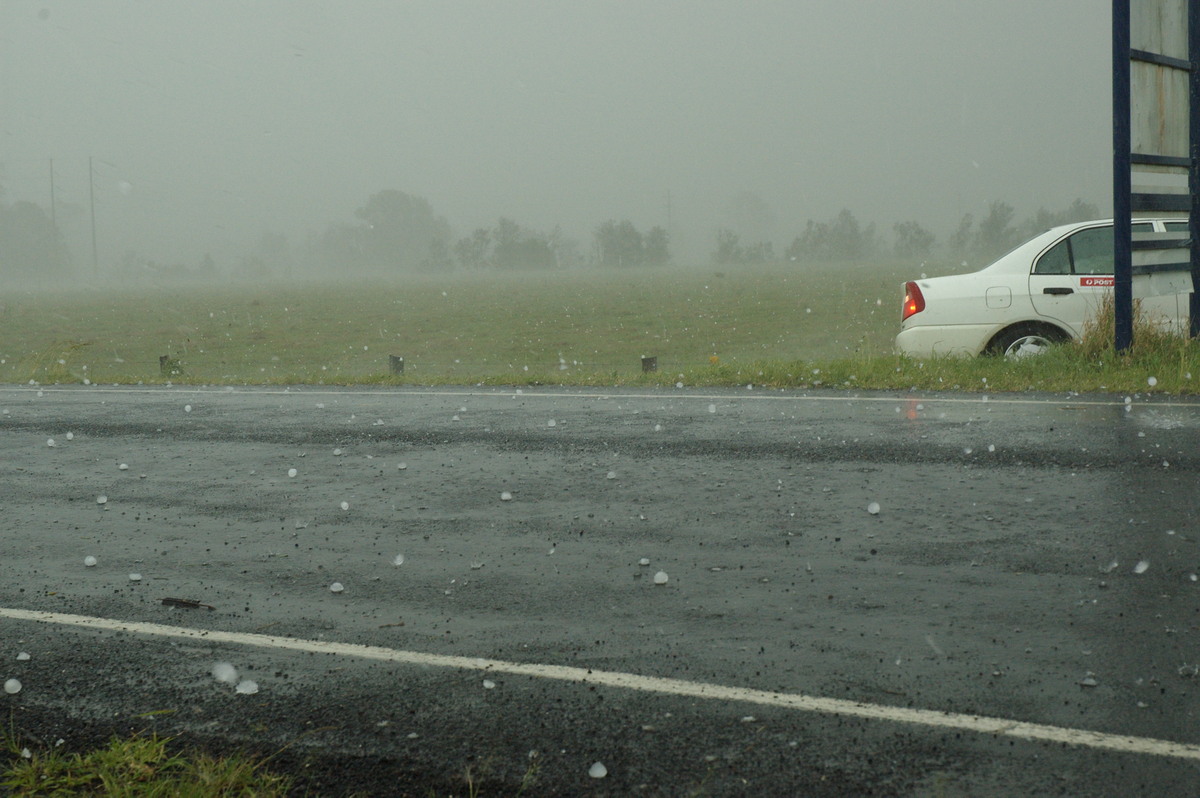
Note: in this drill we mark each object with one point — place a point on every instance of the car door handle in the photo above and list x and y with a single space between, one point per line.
1058 291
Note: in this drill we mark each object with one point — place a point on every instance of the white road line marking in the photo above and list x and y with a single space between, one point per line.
767 394
831 706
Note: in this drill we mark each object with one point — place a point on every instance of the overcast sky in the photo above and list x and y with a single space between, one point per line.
213 121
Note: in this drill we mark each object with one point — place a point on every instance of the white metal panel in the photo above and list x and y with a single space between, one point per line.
1158 110
1159 26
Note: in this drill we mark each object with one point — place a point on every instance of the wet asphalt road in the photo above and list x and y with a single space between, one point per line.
1033 558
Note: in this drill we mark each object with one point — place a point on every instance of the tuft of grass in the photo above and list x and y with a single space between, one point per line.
137 767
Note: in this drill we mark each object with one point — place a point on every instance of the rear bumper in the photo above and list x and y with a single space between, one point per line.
965 340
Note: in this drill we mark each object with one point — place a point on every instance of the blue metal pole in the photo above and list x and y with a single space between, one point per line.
1194 153
1122 207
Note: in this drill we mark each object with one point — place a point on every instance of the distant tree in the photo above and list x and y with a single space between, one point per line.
996 233
811 245
619 244
657 246
340 247
912 240
398 230
762 252
30 244
960 242
1043 220
841 238
473 251
566 249
729 250
439 260
516 248
847 240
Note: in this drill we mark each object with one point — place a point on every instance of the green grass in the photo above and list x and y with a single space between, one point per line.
137 766
810 326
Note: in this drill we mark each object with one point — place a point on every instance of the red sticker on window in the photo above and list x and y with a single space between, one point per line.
1095 282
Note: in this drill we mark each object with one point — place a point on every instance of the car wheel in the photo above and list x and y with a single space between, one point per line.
1026 341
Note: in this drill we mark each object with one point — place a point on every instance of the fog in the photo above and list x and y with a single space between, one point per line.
208 125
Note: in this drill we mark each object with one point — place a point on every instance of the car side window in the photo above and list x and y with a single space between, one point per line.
1092 251
1055 261
1089 251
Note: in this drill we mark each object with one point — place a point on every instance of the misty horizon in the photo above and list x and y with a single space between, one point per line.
213 124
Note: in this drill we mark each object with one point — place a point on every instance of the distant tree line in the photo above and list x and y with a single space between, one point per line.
844 238
398 232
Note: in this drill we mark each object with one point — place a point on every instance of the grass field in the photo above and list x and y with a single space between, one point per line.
829 325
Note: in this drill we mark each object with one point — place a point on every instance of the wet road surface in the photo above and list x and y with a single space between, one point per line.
864 594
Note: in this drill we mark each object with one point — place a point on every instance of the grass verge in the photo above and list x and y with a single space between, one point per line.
138 766
818 327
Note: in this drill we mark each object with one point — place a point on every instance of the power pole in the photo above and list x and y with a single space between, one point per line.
92 196
53 210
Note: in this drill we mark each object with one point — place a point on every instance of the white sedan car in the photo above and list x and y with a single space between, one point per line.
1041 293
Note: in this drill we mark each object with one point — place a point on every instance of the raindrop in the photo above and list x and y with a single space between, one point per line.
401 466
551 423
1152 381
712 408
224 672
873 508
475 566
336 587
292 472
345 505
967 450
50 442
187 408
644 561
597 770
135 577
123 467
71 435
337 452
612 475
398 559
505 496
677 385
1141 567
101 499
661 578
89 561
488 684
247 687
12 687
23 656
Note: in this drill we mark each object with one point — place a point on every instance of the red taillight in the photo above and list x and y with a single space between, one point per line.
913 301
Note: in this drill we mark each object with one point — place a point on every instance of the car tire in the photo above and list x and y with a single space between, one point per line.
1024 340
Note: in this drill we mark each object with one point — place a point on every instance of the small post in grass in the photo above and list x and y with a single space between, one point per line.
649 364
397 364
